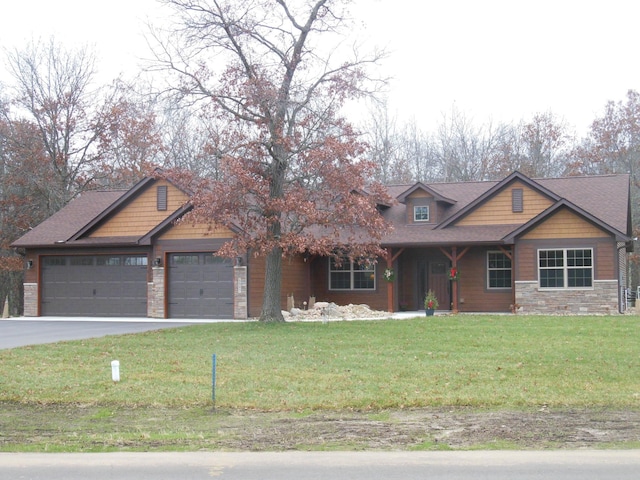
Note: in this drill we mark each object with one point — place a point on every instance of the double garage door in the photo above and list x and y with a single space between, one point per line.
94 285
199 286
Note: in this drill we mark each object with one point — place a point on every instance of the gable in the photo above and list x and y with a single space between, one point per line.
498 209
142 213
565 224
189 230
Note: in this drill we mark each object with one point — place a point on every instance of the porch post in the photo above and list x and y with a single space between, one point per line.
389 284
454 264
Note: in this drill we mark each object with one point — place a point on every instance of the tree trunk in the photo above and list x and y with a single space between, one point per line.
271 308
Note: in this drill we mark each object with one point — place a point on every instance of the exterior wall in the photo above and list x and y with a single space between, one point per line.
473 294
141 214
375 299
567 230
498 210
565 224
31 305
156 293
240 310
602 299
295 280
187 230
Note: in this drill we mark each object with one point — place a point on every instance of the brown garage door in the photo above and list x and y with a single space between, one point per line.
94 285
200 286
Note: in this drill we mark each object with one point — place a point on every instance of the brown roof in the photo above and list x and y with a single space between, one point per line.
605 198
61 226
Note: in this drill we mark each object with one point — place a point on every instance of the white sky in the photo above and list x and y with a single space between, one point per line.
499 60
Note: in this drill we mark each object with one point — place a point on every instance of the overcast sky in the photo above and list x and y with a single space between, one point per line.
499 60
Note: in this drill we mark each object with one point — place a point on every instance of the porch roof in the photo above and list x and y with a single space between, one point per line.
428 235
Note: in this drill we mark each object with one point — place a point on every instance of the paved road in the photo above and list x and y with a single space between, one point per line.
21 332
491 465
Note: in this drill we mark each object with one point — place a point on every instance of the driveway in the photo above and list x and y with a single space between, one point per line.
27 331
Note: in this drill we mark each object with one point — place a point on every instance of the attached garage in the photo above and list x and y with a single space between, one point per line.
200 286
94 285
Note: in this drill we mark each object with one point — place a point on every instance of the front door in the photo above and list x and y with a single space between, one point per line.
438 281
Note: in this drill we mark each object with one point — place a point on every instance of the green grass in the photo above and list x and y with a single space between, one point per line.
483 362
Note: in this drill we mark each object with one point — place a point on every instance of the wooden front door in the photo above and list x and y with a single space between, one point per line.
438 281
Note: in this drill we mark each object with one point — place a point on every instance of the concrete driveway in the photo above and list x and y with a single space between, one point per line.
33 331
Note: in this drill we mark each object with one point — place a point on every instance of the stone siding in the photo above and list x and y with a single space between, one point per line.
601 299
30 299
155 294
240 310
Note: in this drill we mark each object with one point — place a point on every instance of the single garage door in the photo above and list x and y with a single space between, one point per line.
200 286
94 285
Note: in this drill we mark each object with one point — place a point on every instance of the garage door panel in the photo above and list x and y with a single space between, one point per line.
94 285
200 286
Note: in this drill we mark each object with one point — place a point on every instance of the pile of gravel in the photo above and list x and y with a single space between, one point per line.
329 311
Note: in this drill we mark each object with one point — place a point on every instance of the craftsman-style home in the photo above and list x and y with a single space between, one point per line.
516 245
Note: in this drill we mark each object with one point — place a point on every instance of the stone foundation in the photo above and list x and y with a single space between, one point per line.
601 299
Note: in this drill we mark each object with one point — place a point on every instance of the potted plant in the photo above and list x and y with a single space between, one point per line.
430 303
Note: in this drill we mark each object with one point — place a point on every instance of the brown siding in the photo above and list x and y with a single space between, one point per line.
420 198
606 261
604 249
473 294
376 299
498 209
295 279
141 215
565 224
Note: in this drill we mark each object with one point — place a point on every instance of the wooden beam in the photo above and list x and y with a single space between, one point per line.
454 257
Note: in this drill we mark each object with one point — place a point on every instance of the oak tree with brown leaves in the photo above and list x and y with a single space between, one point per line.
291 180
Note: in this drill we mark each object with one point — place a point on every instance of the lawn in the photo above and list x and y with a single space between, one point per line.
484 362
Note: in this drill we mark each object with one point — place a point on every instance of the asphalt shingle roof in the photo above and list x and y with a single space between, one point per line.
65 223
605 197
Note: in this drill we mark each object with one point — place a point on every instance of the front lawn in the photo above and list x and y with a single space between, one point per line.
485 362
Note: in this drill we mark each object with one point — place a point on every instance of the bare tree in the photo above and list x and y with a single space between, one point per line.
53 90
274 71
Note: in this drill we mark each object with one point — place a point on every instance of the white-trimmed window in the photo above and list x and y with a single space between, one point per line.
498 270
565 268
421 213
346 275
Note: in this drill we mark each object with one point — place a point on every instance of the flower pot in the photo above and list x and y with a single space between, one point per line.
430 312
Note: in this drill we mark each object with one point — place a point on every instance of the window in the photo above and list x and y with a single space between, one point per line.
348 275
421 213
566 268
498 270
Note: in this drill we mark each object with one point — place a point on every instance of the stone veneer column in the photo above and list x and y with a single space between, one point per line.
155 294
30 299
240 293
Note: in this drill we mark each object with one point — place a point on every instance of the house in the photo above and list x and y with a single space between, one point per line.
532 246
